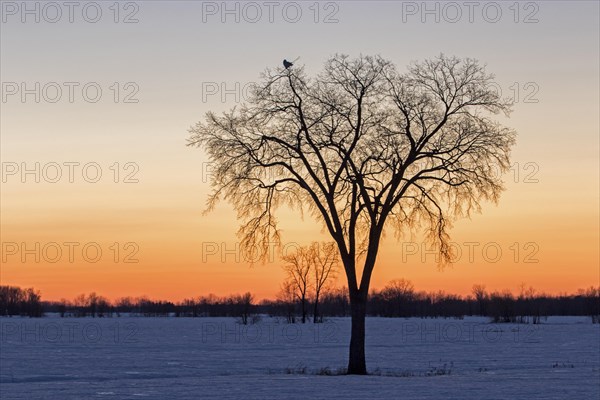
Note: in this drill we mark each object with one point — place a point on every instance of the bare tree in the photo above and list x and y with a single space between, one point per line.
243 306
362 148
287 296
298 267
324 259
398 293
481 297
592 297
10 298
309 269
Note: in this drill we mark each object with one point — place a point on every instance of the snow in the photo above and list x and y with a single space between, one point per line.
192 358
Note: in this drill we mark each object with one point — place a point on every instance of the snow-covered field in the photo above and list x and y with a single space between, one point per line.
199 358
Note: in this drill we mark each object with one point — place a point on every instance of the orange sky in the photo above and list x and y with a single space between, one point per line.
181 253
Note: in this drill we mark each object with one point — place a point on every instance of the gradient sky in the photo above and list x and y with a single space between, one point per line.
549 213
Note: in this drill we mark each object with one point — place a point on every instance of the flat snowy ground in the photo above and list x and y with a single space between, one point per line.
198 358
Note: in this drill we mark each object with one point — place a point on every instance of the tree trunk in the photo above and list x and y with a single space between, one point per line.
358 305
303 309
316 310
358 309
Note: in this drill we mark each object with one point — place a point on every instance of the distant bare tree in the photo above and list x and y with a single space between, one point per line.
401 288
309 270
287 297
243 306
362 147
298 267
10 299
481 297
324 258
592 302
32 303
80 305
399 293
92 303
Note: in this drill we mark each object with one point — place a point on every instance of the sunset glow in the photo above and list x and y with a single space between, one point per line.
145 210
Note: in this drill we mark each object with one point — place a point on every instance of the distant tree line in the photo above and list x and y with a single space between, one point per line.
93 305
17 301
398 299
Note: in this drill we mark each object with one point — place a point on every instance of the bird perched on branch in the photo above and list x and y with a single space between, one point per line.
288 64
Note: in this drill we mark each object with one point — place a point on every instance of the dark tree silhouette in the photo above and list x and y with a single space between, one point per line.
244 306
324 259
17 301
362 147
481 297
287 298
398 293
309 270
298 268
